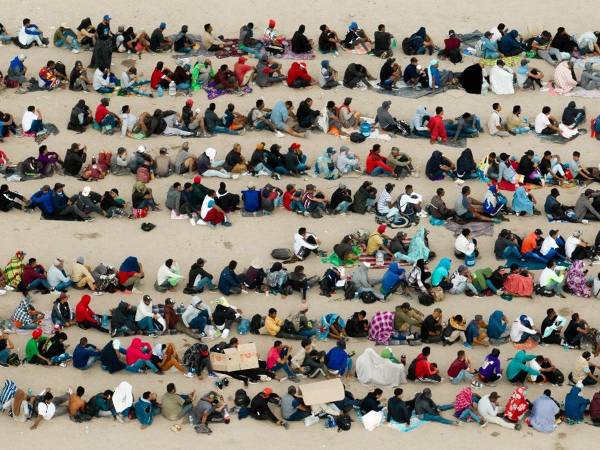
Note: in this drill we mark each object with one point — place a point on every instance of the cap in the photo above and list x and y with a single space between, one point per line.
80 260
381 228
106 17
331 150
168 301
116 344
86 191
58 186
36 333
272 23
147 298
197 179
189 102
162 25
478 317
295 146
141 149
267 391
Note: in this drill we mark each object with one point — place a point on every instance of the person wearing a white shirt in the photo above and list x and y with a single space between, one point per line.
30 34
495 127
520 333
49 406
305 243
545 123
128 121
144 315
32 120
550 248
498 32
464 245
57 277
551 279
101 81
410 202
575 247
168 275
385 206
487 407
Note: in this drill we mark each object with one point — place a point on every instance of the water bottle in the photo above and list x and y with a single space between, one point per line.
172 89
379 260
159 90
470 260
365 129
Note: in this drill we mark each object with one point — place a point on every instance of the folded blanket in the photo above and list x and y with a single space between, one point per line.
213 92
477 228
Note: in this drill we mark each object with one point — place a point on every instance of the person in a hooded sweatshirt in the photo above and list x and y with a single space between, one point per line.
575 405
109 357
385 119
518 369
138 357
418 124
427 409
122 320
392 279
360 278
590 77
509 44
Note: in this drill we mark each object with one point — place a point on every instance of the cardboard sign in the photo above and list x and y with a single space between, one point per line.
241 358
322 392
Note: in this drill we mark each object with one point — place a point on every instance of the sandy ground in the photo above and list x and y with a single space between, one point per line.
111 241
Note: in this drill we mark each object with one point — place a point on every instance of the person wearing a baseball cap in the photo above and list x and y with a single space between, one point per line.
295 160
57 276
584 206
487 407
377 241
144 317
158 42
84 205
260 410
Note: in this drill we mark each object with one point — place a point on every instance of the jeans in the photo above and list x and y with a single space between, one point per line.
260 167
437 418
462 287
468 413
535 255
222 129
60 358
308 332
297 206
203 282
377 171
285 368
546 55
185 86
91 361
141 364
342 207
63 286
463 375
511 251
36 126
298 416
200 321
4 354
38 285
109 120
556 287
146 324
105 90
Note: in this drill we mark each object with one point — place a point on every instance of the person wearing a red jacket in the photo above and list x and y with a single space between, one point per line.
424 370
34 277
298 76
376 164
138 357
86 317
436 126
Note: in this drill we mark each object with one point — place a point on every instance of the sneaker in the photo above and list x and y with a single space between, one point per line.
98 293
189 375
459 181
119 418
9 288
193 222
75 51
63 364
136 291
483 424
235 176
279 134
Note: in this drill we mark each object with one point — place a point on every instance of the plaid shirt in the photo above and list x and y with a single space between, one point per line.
21 314
381 327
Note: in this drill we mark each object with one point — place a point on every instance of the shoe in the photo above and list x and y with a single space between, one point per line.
467 346
235 176
119 418
188 375
279 134
98 293
136 291
212 374
193 222
75 51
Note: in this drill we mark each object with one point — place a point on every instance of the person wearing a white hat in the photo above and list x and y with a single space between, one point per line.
138 158
57 277
84 205
208 166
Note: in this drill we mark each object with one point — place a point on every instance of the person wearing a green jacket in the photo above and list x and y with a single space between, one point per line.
518 369
32 352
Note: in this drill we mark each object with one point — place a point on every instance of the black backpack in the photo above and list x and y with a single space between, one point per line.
30 166
357 137
343 422
368 297
406 47
281 254
426 299
241 398
411 373
350 290
288 327
255 323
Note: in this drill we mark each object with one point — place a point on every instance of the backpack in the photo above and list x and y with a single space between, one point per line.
241 398
539 290
194 355
13 360
406 47
243 327
255 323
403 127
143 175
343 422
350 290
281 254
368 297
357 137
412 369
30 166
288 327
426 299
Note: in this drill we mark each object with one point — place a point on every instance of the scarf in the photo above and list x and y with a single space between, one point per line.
516 405
521 201
576 280
463 400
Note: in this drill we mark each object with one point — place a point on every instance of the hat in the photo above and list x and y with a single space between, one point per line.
162 26
116 344
451 33
529 152
524 61
331 151
196 300
267 391
295 146
272 23
141 149
478 317
197 179
434 62
325 63
106 17
242 59
58 186
189 102
146 298
381 228
36 333
168 301
86 191
80 260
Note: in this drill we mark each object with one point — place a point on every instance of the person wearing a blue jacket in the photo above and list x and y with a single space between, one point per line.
42 199
575 405
146 408
85 355
338 360
229 282
392 279
509 44
251 199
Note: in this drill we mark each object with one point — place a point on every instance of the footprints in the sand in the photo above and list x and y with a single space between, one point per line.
228 245
495 434
82 236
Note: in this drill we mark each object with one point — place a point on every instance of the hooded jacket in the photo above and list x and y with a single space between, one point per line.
136 351
590 78
518 363
122 317
441 271
83 312
110 360
424 404
575 404
391 277
360 277
495 325
227 280
173 201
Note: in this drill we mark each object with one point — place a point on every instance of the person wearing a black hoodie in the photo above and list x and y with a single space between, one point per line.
397 409
122 321
358 325
198 278
11 200
74 159
371 402
109 357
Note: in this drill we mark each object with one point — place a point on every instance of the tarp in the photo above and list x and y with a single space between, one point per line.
373 369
